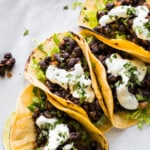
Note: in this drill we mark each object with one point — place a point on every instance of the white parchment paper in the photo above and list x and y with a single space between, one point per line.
42 18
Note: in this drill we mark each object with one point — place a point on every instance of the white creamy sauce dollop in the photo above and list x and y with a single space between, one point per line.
138 22
116 66
58 134
75 80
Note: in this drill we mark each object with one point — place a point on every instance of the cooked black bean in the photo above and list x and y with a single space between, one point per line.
93 145
122 28
43 64
100 14
98 29
58 57
47 60
2 70
75 136
62 46
77 52
65 55
72 62
94 47
125 2
112 79
7 55
3 61
10 63
70 42
109 6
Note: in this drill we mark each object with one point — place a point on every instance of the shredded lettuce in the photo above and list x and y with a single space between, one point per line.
54 50
77 4
102 6
142 116
39 73
56 39
90 17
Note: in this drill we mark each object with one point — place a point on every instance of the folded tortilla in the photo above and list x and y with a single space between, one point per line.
31 75
120 44
21 129
119 119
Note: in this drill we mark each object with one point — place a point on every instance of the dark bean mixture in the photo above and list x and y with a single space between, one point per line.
122 27
70 54
78 136
6 63
103 51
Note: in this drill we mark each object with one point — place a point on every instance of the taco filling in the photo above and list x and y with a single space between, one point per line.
128 78
126 19
66 74
55 130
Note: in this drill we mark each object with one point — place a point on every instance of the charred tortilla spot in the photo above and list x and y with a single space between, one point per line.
77 36
85 8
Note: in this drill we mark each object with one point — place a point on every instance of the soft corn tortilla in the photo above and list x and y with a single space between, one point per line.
21 130
31 75
119 119
119 44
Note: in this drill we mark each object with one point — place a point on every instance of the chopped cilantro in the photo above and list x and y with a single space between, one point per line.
139 29
88 39
148 69
38 101
131 11
139 97
26 32
41 48
65 7
147 25
77 4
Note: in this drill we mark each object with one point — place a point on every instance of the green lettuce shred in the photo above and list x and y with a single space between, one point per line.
90 17
39 73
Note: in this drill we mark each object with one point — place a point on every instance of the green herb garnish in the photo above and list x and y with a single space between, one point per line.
26 32
65 7
131 11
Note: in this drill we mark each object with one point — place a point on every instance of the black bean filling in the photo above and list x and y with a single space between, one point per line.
122 27
77 135
70 54
6 63
102 52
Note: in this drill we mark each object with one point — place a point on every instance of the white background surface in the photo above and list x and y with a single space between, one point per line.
42 18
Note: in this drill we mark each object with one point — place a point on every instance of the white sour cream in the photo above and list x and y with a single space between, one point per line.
75 80
68 146
138 22
58 135
115 65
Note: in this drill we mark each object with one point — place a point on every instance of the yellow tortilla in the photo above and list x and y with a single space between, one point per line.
22 134
31 75
119 44
119 119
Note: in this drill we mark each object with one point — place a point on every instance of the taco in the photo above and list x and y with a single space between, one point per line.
38 124
61 67
124 80
123 23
